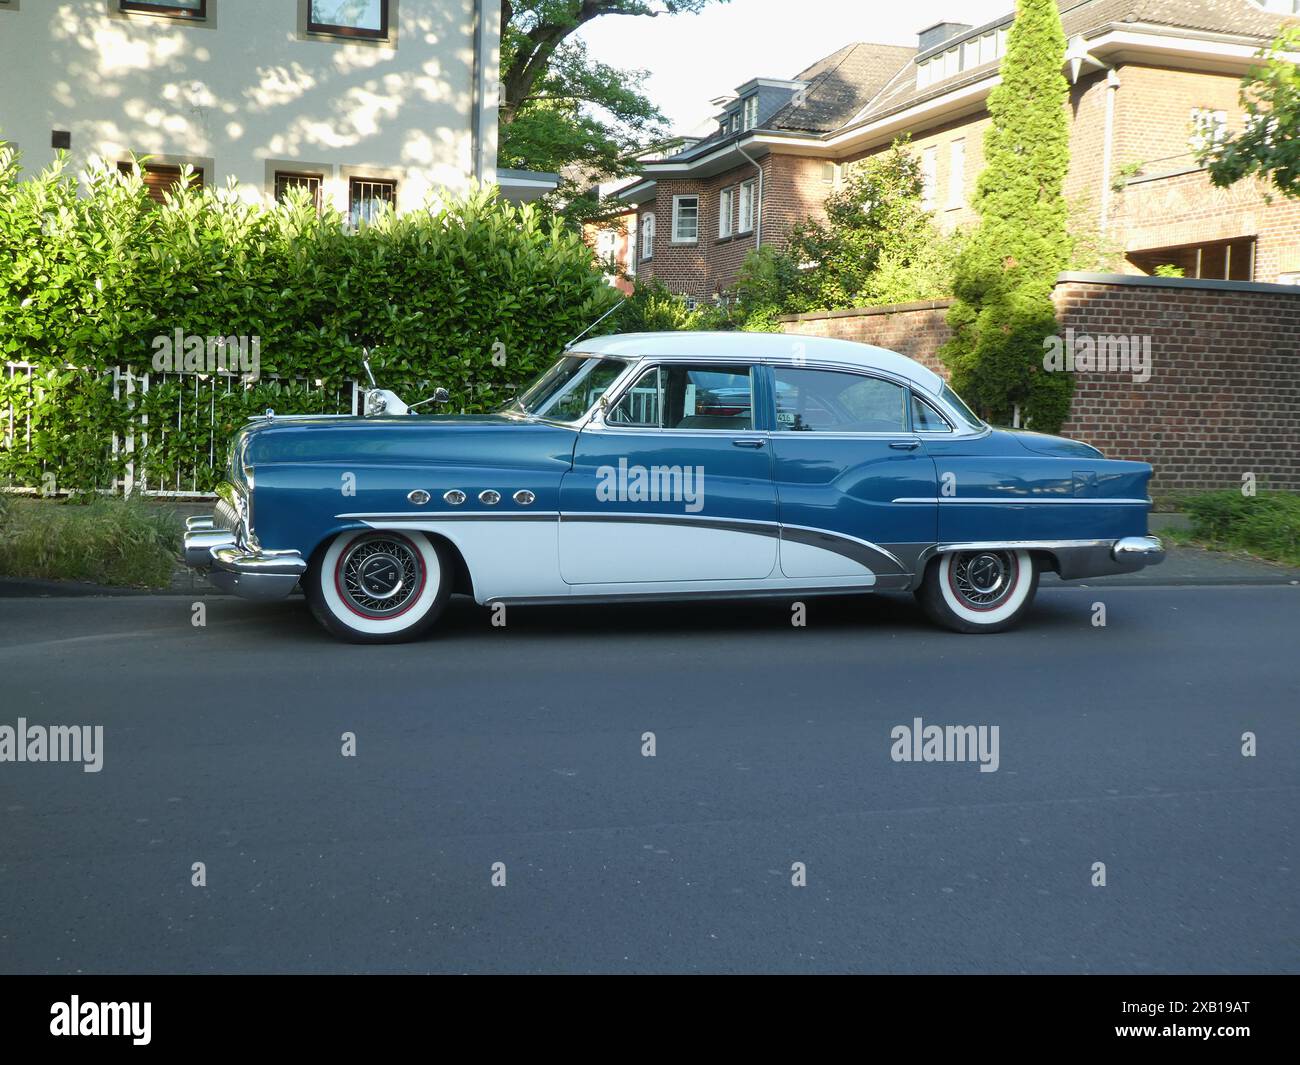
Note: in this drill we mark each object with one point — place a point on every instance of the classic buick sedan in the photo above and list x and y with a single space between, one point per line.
671 466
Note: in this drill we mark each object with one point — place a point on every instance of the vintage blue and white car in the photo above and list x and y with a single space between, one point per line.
671 465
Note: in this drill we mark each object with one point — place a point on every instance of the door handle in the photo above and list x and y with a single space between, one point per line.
748 442
905 445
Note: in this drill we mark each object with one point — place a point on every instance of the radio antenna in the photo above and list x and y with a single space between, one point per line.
595 323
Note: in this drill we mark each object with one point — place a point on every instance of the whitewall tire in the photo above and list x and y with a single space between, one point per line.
979 591
379 585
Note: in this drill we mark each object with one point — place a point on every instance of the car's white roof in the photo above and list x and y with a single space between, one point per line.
761 346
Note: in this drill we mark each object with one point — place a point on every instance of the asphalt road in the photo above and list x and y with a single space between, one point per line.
523 745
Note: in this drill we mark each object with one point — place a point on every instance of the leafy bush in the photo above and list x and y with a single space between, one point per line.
652 308
1267 524
474 295
877 245
98 539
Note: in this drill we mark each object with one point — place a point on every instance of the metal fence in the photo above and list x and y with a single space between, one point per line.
199 398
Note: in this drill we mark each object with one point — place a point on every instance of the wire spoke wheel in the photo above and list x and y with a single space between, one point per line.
379 577
984 579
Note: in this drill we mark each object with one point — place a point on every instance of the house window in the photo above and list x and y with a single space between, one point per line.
367 197
686 219
929 176
830 171
747 207
348 18
312 184
750 119
957 173
726 209
195 9
160 178
648 236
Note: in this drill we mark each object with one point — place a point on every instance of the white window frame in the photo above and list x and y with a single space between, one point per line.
749 112
647 236
677 219
957 173
745 222
726 212
929 177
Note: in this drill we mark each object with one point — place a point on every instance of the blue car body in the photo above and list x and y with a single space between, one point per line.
544 505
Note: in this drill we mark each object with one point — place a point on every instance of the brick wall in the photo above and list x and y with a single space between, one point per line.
916 330
1223 396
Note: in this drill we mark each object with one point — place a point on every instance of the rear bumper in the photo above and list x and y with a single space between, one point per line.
245 571
1107 557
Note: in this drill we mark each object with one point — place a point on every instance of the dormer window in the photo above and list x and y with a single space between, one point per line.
962 55
750 112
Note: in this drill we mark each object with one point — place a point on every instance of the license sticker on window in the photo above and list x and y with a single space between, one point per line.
690 400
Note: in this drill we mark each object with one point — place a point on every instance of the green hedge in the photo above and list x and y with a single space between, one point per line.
474 295
1267 524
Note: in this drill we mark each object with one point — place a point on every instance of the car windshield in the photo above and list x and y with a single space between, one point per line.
570 388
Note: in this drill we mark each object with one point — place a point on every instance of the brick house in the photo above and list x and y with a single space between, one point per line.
1149 79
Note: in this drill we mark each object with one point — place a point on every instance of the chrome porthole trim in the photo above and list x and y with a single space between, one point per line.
454 496
524 497
489 496
418 496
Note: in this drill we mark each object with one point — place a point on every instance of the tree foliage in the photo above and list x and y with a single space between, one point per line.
563 111
1009 265
1269 146
876 244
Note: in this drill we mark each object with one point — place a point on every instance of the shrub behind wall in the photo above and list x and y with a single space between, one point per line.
475 295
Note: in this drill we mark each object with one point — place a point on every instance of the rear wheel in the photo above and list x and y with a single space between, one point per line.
377 586
979 591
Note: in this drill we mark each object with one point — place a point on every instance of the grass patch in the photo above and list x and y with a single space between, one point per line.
89 538
1267 524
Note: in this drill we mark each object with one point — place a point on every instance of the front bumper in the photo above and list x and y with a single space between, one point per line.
245 571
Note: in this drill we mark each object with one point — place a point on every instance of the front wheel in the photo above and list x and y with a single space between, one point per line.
979 591
377 586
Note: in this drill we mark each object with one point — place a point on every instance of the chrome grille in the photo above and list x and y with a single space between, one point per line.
225 517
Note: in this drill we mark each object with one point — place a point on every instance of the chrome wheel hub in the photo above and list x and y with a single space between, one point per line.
983 578
379 576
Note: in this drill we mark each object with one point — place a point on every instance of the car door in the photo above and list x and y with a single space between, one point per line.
843 451
672 484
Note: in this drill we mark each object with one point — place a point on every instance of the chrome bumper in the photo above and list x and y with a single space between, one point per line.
1138 551
253 574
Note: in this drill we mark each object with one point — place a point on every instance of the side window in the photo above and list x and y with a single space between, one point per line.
706 397
925 419
640 404
828 401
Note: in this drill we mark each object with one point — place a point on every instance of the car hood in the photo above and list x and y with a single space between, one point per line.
399 439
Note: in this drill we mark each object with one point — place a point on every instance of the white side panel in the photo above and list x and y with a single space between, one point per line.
505 558
803 560
618 552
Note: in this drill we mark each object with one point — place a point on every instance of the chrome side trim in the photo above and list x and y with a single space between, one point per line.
1020 501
